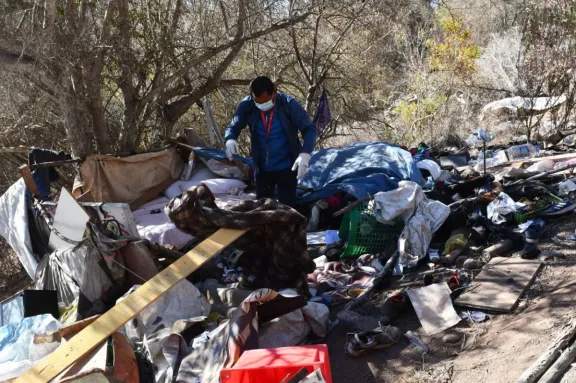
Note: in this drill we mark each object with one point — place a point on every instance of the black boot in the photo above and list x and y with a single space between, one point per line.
531 239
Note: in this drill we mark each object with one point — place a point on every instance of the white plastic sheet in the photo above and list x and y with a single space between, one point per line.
14 225
422 217
431 166
502 206
154 325
293 328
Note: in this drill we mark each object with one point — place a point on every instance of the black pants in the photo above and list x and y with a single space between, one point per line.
285 180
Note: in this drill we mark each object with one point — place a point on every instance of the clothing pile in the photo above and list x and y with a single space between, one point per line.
275 244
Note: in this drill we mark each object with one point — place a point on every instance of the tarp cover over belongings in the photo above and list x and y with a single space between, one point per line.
159 326
87 272
222 347
422 218
360 170
275 248
134 180
14 225
217 161
18 351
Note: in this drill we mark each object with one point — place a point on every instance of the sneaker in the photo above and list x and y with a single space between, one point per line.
392 308
416 342
383 337
559 208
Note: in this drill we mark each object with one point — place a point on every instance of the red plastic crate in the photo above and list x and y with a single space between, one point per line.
274 364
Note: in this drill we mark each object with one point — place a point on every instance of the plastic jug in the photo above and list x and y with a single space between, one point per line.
520 152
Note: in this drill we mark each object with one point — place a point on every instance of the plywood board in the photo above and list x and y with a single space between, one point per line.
70 220
105 325
500 284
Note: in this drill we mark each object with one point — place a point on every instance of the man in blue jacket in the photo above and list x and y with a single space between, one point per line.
274 120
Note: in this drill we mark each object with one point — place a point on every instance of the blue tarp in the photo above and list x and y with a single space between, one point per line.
217 154
361 170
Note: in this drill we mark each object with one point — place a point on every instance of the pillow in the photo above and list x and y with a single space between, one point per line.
198 175
174 190
224 185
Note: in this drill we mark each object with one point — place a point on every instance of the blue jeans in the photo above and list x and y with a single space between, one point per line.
284 180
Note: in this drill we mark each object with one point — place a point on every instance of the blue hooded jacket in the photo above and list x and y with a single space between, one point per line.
292 116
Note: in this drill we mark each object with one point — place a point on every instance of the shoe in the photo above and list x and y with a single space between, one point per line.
531 239
559 208
393 306
416 342
383 337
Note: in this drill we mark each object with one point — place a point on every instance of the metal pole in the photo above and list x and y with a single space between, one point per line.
484 150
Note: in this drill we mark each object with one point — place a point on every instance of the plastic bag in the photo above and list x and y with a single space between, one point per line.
542 166
188 167
479 137
502 206
18 352
457 241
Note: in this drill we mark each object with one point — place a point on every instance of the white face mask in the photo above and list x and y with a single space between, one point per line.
266 106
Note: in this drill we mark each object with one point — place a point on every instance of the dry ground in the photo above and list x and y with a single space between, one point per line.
13 278
497 351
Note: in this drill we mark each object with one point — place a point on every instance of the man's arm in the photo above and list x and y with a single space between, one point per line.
301 119
238 121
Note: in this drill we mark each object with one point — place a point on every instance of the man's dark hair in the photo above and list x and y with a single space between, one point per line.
260 85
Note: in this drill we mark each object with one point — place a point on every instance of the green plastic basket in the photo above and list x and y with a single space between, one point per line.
364 234
521 218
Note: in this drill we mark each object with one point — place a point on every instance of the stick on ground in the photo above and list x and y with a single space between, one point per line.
540 366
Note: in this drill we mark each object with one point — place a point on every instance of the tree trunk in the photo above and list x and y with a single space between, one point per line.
96 109
132 111
75 121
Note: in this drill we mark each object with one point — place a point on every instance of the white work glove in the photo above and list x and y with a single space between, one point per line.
231 148
301 164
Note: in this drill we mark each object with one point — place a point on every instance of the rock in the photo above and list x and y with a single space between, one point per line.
354 321
451 258
471 264
460 261
452 337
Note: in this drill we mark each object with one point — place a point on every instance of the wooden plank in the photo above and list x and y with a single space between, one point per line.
54 163
29 180
500 284
539 367
530 161
108 323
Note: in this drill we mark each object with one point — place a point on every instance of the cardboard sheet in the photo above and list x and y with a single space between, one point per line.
434 308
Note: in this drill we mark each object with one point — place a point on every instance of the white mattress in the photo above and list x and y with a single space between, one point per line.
158 228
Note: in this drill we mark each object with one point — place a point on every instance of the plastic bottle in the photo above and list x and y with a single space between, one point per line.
519 152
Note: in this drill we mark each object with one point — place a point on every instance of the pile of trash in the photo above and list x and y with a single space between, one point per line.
380 231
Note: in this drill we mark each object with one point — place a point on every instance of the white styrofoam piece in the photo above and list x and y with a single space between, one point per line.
70 220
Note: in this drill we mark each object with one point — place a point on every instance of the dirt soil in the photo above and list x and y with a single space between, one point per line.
497 351
13 278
